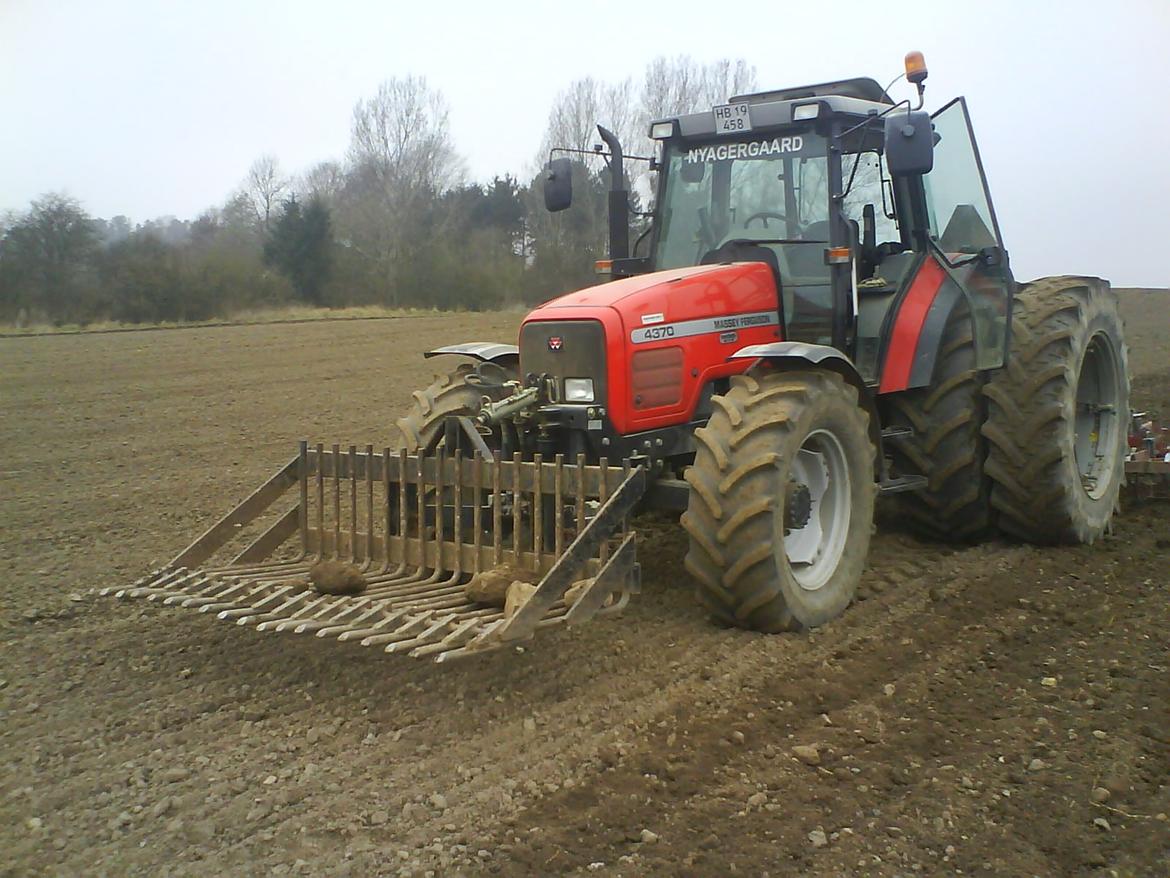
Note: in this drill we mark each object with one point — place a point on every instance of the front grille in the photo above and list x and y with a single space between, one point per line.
565 349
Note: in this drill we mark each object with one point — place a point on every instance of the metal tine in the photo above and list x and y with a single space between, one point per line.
602 496
401 509
516 495
336 501
430 635
558 504
459 635
238 612
440 463
353 505
248 569
580 492
369 560
627 468
196 594
411 623
330 614
352 632
316 602
457 505
231 600
320 500
170 581
409 640
339 627
339 609
162 574
477 503
280 612
254 611
538 511
497 513
178 591
303 506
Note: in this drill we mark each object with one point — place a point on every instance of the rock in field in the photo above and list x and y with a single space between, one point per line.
335 577
491 586
518 594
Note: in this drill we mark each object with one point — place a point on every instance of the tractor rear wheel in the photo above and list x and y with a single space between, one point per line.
460 392
781 501
945 444
1057 413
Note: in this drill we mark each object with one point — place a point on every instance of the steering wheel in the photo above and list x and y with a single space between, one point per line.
764 216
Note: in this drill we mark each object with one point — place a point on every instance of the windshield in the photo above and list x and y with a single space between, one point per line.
772 188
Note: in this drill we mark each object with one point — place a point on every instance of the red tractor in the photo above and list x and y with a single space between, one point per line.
823 312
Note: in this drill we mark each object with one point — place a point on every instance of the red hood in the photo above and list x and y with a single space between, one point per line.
675 294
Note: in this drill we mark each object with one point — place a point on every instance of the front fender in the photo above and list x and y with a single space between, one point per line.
799 354
484 351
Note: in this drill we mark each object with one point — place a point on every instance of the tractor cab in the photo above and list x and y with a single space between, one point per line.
870 215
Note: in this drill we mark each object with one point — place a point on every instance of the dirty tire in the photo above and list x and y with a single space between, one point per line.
739 481
1067 339
450 394
948 446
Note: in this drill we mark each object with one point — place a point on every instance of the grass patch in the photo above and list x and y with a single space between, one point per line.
279 314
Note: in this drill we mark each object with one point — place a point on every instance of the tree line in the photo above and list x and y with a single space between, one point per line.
394 222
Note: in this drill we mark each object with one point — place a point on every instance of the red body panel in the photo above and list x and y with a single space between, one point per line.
685 294
903 343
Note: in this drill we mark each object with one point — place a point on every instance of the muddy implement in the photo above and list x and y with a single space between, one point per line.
418 528
1147 479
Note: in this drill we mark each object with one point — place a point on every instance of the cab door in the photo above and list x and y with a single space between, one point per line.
964 232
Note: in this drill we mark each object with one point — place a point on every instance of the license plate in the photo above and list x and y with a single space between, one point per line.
732 119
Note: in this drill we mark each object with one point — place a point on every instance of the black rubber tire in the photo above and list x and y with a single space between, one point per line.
736 512
1037 492
947 445
450 394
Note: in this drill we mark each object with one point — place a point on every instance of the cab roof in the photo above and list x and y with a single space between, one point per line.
772 109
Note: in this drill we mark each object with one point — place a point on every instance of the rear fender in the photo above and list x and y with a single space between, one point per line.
484 351
798 355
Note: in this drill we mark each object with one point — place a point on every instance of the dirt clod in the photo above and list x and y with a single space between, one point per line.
336 577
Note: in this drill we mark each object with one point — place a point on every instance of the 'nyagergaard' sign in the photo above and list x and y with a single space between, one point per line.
751 150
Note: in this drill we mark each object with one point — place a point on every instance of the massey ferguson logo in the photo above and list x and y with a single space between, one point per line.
555 342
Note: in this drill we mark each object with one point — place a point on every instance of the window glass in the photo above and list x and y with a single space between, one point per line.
960 217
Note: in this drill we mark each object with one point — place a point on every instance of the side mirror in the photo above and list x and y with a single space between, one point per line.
558 185
909 144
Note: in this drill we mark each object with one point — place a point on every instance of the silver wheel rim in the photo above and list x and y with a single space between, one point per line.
814 550
1096 420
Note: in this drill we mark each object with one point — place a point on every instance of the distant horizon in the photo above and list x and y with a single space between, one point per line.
150 113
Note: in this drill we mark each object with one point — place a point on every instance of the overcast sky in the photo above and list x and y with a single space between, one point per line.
148 108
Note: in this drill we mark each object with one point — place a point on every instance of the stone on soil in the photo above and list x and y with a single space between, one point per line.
335 577
491 586
809 754
518 594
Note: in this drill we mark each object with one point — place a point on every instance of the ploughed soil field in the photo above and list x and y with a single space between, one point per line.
998 709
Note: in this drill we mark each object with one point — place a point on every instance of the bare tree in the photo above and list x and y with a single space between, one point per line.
401 134
265 187
323 181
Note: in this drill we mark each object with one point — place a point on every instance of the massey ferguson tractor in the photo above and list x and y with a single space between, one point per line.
822 311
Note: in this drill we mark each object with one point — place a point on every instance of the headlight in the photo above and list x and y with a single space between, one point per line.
662 130
578 390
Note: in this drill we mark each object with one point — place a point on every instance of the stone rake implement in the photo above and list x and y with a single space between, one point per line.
418 527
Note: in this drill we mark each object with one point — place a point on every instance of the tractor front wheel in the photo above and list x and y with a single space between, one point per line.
781 501
460 392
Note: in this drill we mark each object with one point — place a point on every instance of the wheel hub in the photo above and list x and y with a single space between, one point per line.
798 507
